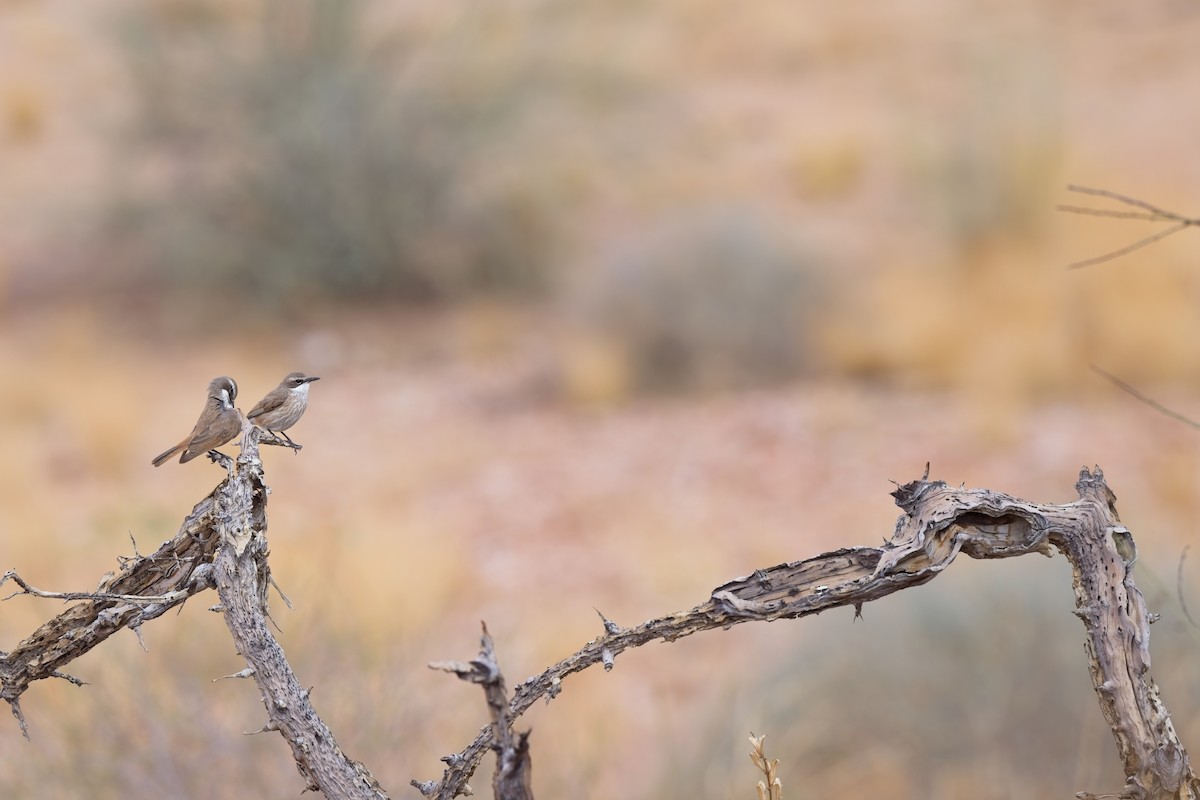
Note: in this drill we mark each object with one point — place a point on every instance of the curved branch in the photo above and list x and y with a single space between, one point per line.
1150 213
938 523
144 588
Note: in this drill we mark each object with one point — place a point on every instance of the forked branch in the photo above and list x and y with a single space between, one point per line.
1149 213
144 588
938 523
221 544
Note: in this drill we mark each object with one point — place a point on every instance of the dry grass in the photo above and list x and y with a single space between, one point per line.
467 489
462 496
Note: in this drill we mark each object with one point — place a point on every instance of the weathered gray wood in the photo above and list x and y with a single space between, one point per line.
938 523
242 579
512 778
147 587
222 543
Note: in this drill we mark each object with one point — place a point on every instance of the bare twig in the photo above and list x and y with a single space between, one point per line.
1159 407
1179 586
1150 213
1108 212
242 578
267 437
1154 211
26 588
282 596
1138 245
512 778
143 589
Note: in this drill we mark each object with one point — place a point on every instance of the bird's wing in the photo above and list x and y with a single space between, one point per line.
216 433
272 401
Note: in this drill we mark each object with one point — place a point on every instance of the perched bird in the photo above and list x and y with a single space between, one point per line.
284 405
219 422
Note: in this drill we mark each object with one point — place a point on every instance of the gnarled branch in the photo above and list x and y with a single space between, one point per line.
167 577
221 544
938 523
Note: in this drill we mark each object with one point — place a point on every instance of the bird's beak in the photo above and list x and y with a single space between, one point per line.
312 378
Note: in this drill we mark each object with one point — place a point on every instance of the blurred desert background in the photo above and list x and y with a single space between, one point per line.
612 301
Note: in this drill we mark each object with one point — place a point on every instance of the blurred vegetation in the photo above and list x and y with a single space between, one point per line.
284 153
710 298
283 150
989 173
976 686
290 150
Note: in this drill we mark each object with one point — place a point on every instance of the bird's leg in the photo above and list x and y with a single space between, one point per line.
296 448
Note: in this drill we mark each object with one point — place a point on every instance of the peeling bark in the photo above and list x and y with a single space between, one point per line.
242 579
149 586
221 544
512 779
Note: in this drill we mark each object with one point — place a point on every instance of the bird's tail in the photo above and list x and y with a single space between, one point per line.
166 455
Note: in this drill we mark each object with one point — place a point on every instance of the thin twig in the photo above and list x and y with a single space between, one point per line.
1159 407
1149 213
1159 213
1138 245
1109 212
170 597
282 596
1179 587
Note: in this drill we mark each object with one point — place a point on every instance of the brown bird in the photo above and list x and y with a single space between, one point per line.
219 422
284 405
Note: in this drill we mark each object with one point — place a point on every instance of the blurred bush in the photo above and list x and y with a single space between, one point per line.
712 298
975 686
285 151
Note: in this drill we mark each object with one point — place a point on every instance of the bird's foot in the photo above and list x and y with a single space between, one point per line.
277 438
217 457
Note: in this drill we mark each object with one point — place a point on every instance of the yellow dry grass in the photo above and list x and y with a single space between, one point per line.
477 464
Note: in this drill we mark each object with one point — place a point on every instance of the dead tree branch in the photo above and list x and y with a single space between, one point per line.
938 523
221 544
1149 213
1137 395
513 775
242 580
144 588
